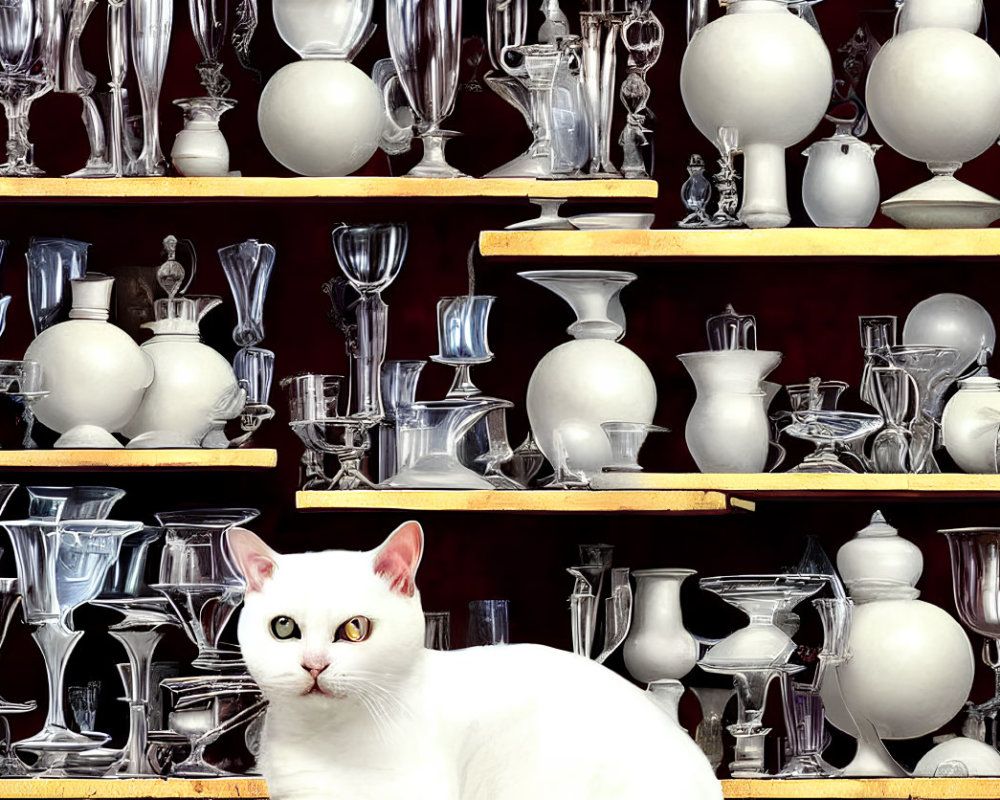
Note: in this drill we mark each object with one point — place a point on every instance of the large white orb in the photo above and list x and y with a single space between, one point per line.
320 117
767 74
934 95
952 320
910 671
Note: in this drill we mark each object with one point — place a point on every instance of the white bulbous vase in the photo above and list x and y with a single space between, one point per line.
658 646
933 94
910 667
767 73
840 186
322 116
728 429
589 380
200 149
970 425
93 371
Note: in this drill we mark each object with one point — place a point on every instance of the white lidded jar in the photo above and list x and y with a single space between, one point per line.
840 186
93 371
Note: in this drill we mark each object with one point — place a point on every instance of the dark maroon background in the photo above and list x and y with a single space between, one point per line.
806 308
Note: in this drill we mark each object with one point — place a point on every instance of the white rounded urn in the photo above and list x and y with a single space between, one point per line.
321 117
194 391
200 150
878 557
910 671
577 386
958 758
767 73
971 423
840 187
94 373
658 646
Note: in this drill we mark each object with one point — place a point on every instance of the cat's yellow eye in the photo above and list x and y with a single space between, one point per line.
285 628
356 629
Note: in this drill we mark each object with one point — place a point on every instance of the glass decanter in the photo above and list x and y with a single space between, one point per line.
425 41
198 579
696 193
429 433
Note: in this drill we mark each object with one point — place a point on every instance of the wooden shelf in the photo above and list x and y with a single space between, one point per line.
181 189
80 788
783 242
552 501
923 788
795 484
139 459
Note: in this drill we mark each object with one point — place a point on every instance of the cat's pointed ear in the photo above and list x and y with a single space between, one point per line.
398 557
254 559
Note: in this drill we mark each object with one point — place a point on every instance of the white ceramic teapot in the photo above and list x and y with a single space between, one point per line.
93 371
194 390
840 186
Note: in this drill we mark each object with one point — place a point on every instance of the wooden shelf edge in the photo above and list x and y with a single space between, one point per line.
114 788
925 788
775 243
550 501
256 188
250 458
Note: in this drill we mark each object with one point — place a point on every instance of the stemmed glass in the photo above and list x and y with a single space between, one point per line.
425 41
28 61
198 579
642 35
146 617
248 267
151 24
10 597
975 577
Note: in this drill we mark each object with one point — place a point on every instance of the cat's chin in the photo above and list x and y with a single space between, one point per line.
326 694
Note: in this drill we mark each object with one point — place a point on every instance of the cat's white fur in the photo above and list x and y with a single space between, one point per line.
395 721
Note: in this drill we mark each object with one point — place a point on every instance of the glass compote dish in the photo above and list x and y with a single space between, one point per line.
425 41
975 574
146 614
205 707
28 63
198 579
61 564
832 432
756 654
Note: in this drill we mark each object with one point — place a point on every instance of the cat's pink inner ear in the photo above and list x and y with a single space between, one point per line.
254 559
399 556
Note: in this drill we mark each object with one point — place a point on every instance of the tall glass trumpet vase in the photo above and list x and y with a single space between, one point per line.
425 41
152 21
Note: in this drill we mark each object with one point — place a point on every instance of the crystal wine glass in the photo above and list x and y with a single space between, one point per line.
425 41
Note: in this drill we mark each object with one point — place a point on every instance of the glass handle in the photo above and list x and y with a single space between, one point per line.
397 133
780 455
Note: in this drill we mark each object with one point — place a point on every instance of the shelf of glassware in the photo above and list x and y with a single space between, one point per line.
540 501
775 243
80 788
238 188
234 459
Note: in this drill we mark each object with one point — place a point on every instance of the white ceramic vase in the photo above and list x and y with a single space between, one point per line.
765 72
910 667
591 379
840 186
658 647
95 373
728 429
200 149
970 424
194 389
933 93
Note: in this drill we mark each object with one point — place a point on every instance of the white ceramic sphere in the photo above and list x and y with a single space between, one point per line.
95 374
969 425
320 117
910 671
762 70
934 95
974 758
951 320
579 385
963 14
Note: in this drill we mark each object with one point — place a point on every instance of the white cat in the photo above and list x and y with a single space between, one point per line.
360 710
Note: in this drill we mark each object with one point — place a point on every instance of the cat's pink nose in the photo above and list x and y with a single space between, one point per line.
314 670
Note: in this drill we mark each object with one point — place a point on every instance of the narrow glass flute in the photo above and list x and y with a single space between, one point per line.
151 24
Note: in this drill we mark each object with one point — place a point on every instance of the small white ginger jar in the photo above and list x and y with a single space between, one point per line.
93 371
840 186
878 556
971 423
